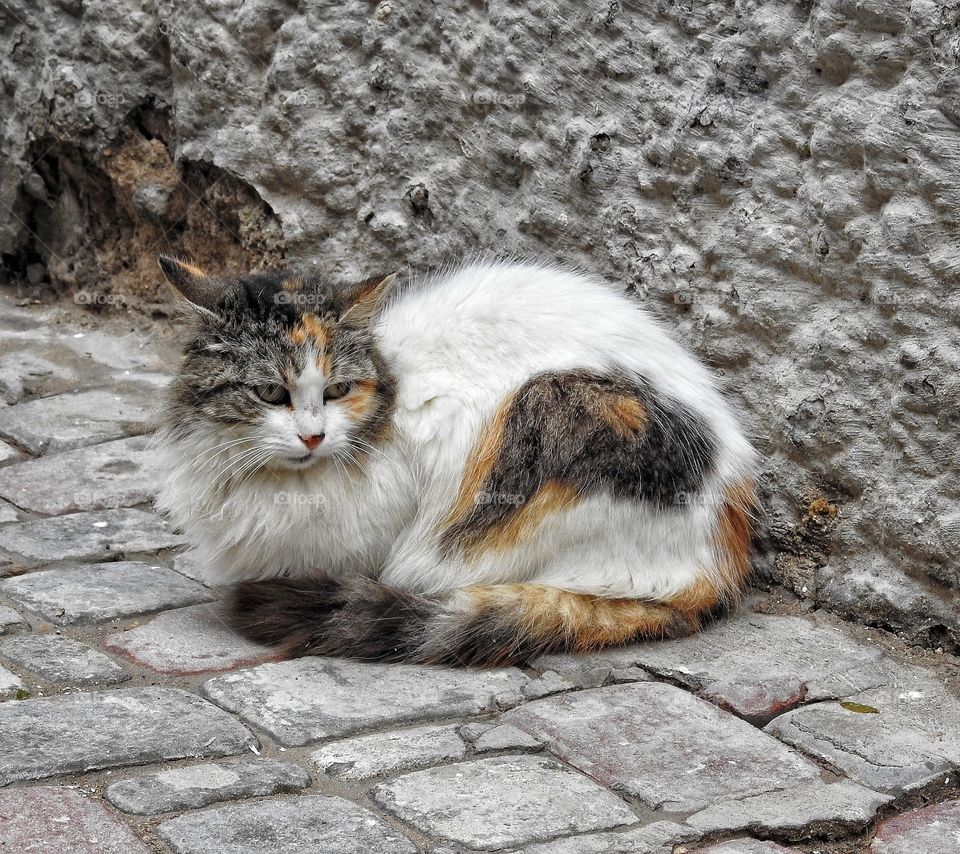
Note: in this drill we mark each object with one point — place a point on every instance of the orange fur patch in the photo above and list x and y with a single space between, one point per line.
360 401
550 498
311 328
293 284
696 600
732 537
578 622
479 465
192 270
325 363
625 414
610 622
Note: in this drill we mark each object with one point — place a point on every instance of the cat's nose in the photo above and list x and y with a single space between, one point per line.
312 441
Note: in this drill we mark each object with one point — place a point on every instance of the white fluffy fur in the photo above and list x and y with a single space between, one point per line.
459 343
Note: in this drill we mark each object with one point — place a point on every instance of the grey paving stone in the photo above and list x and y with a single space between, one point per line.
472 730
10 683
98 535
8 513
100 477
46 362
387 752
102 591
912 739
190 564
56 820
130 352
549 682
758 665
61 659
312 698
194 786
300 825
505 737
813 808
931 830
657 838
489 803
9 619
154 381
662 745
31 370
596 669
188 640
13 316
629 674
8 452
67 421
69 733
747 846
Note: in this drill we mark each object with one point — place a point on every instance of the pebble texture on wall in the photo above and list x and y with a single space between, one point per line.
779 180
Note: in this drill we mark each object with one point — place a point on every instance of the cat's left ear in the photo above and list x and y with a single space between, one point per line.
190 282
367 299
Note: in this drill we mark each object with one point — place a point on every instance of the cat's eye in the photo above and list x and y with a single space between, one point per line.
272 393
337 390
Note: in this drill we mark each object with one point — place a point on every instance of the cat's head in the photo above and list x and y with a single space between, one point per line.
284 367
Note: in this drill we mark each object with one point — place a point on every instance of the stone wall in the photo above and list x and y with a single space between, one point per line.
779 180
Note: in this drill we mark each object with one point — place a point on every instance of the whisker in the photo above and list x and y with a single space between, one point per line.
353 460
225 473
212 453
368 448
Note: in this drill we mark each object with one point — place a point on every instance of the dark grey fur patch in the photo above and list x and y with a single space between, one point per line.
553 433
354 618
491 637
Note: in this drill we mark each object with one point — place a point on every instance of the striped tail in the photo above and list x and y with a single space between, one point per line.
474 626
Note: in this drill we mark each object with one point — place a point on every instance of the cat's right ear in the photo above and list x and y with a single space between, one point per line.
191 283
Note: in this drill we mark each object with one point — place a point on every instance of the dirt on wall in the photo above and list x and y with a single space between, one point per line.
96 224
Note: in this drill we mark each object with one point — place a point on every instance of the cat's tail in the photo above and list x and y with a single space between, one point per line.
473 626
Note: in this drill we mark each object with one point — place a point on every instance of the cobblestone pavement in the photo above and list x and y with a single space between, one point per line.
131 720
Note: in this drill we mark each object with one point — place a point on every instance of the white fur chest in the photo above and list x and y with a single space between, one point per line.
290 523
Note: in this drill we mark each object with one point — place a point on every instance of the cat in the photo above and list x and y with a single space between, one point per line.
495 462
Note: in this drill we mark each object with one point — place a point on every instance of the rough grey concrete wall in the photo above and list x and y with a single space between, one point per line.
781 180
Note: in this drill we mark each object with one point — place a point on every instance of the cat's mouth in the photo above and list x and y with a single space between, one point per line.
296 463
299 461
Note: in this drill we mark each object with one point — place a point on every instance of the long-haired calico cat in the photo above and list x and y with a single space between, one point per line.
497 462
